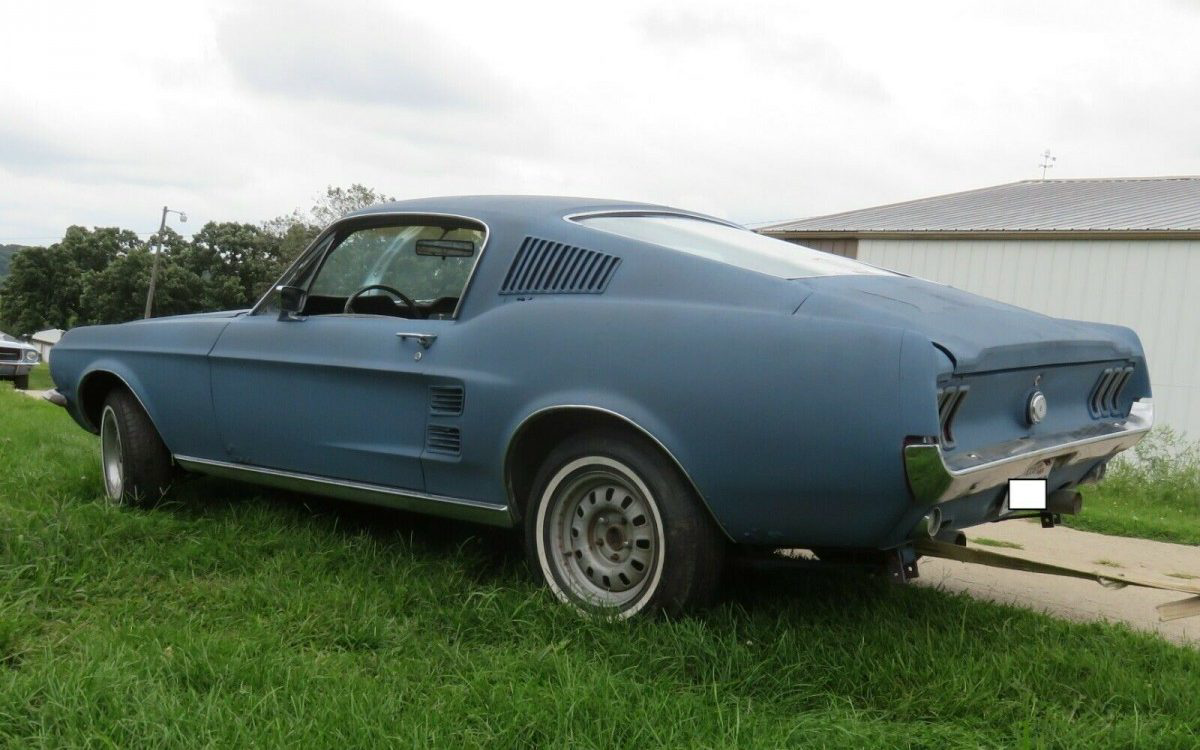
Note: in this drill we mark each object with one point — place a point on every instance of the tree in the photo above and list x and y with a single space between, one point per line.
101 275
236 263
337 202
118 293
6 254
44 284
93 250
295 231
28 298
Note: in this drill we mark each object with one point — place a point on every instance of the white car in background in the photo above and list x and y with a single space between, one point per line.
16 360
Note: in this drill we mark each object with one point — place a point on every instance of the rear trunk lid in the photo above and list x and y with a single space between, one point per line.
1001 355
979 334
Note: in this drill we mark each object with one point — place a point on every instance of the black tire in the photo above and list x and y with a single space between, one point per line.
21 382
595 565
140 469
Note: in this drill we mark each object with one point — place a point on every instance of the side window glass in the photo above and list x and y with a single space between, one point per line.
429 263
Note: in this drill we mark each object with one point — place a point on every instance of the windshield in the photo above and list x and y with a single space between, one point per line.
733 245
395 256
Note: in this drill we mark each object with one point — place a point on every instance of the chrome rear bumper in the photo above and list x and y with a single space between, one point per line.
933 479
55 398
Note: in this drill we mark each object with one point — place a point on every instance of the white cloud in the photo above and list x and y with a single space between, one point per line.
763 110
359 53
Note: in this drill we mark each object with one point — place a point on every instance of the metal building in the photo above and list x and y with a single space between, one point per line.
1120 250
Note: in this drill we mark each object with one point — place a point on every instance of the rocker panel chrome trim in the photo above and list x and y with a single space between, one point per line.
417 502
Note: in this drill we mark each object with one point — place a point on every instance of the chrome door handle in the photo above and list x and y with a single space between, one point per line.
424 339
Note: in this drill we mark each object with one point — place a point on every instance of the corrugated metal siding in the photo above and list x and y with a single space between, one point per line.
1149 285
844 248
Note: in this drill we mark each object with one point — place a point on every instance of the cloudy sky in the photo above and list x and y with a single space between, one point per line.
754 110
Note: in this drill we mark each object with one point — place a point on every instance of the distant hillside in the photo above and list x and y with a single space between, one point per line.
6 254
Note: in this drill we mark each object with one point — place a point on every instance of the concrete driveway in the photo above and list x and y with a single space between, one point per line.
1072 598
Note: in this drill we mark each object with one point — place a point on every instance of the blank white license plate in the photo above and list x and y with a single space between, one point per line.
1027 494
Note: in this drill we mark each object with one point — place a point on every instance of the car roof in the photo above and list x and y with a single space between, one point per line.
485 207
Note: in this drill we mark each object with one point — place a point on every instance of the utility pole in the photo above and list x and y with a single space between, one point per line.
1047 162
162 227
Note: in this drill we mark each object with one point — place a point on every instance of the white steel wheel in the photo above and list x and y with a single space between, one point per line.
615 529
111 457
602 542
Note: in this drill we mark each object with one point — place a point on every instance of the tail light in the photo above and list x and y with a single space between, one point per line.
950 399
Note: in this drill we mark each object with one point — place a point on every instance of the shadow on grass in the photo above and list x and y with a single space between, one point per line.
496 556
208 497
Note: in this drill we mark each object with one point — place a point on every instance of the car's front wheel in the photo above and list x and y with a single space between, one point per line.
21 382
615 529
135 463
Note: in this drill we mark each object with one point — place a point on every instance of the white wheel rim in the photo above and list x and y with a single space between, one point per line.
600 537
111 455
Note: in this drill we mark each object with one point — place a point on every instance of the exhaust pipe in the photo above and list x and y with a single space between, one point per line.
929 525
952 536
1065 502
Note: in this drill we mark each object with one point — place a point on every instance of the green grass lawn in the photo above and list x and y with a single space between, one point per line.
233 617
1157 497
39 378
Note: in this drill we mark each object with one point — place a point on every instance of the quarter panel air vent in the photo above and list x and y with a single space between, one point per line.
446 400
443 439
546 267
1105 399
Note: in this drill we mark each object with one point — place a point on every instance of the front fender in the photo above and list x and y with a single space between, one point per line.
163 362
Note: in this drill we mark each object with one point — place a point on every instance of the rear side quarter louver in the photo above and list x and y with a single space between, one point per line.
548 267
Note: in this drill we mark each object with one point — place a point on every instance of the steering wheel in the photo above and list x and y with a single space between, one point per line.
412 306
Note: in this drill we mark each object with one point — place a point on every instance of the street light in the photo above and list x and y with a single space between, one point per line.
162 226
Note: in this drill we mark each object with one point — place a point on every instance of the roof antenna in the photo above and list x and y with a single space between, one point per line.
1047 162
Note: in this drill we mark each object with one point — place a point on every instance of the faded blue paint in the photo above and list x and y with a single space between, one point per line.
786 401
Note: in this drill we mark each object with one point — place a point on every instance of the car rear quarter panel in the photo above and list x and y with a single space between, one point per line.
791 429
790 425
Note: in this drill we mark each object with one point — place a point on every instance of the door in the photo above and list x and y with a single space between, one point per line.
334 390
330 395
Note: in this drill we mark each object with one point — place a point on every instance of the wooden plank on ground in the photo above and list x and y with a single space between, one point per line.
1189 607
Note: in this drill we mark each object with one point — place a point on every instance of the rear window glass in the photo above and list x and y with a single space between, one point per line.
733 245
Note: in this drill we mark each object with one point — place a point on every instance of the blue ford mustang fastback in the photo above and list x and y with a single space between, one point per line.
641 388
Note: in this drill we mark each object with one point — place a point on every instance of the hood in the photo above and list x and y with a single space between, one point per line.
979 334
8 342
193 316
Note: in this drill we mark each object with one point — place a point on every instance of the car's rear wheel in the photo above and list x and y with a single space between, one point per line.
616 530
135 463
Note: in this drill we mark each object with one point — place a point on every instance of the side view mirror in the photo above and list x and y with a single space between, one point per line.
291 299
